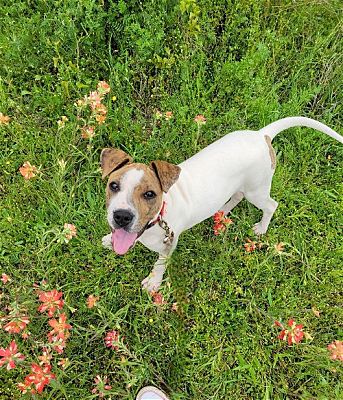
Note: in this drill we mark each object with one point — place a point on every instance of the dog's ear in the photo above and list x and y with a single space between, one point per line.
112 159
167 173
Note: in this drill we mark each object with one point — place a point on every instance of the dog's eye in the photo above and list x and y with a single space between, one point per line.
149 195
114 187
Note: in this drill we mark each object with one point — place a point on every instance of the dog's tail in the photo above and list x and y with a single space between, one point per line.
276 127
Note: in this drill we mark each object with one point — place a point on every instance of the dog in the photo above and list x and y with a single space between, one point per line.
155 203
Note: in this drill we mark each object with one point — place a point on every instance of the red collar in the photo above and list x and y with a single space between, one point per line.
161 214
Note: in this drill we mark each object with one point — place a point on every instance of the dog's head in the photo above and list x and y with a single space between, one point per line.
133 194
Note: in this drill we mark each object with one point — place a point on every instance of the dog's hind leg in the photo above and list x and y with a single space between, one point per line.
232 203
262 200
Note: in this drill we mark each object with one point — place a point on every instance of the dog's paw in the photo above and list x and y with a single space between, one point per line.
107 241
151 283
259 229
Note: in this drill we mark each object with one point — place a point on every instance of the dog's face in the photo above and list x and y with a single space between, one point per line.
133 194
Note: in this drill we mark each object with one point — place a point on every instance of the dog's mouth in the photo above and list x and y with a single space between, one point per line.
122 240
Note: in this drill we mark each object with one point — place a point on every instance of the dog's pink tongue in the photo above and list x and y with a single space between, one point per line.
122 240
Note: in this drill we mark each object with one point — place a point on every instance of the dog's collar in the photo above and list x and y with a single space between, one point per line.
159 217
169 234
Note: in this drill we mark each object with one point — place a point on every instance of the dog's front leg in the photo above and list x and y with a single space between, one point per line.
153 281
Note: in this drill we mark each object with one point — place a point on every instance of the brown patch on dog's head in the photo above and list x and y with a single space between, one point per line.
112 159
167 173
136 187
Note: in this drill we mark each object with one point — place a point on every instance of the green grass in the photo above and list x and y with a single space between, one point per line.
240 63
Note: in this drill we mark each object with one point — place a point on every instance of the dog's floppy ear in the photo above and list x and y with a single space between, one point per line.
167 173
112 159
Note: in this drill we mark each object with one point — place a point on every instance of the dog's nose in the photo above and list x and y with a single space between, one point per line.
122 217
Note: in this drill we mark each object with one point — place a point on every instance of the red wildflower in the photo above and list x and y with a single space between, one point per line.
51 301
112 340
60 327
293 335
200 119
168 115
40 377
5 278
10 355
46 357
158 299
103 87
220 222
28 171
87 132
69 232
250 246
101 386
17 324
92 300
336 349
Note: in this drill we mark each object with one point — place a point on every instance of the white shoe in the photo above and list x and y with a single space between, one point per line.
151 393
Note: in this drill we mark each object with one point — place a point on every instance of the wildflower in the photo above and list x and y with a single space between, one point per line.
69 232
315 311
336 349
58 344
279 247
100 118
168 115
10 356
175 307
200 119
158 299
103 87
46 357
25 335
17 324
64 362
220 222
293 335
114 98
87 132
94 99
158 114
112 340
91 301
39 378
101 386
4 119
28 171
5 278
250 246
61 122
60 327
51 301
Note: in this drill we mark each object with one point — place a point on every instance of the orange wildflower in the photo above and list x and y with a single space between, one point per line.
92 300
28 171
4 119
200 119
51 301
336 350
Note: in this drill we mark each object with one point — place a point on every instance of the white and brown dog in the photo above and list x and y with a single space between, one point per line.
155 204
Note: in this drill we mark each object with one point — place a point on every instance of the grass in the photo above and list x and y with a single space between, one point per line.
242 64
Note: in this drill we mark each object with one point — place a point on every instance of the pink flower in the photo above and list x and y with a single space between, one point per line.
17 324
200 119
51 301
293 335
40 377
112 340
28 171
336 349
10 355
5 278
